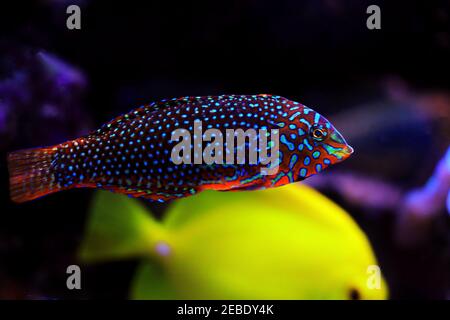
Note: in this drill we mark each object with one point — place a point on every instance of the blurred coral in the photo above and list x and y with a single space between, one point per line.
387 131
420 206
359 190
414 209
42 92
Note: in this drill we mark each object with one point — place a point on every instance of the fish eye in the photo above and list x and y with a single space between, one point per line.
318 133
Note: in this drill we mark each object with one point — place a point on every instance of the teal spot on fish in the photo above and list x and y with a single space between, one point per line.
305 141
305 122
307 161
289 144
248 180
316 118
291 118
278 178
293 161
290 176
303 172
333 151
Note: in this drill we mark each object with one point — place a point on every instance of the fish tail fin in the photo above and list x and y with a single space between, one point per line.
31 174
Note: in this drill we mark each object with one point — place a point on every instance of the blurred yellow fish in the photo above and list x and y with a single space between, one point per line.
284 243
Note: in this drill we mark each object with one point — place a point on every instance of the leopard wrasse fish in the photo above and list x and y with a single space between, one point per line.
132 153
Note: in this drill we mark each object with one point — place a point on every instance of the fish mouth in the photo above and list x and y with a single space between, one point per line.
348 149
340 153
343 150
343 153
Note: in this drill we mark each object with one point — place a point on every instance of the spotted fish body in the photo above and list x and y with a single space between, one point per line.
132 153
